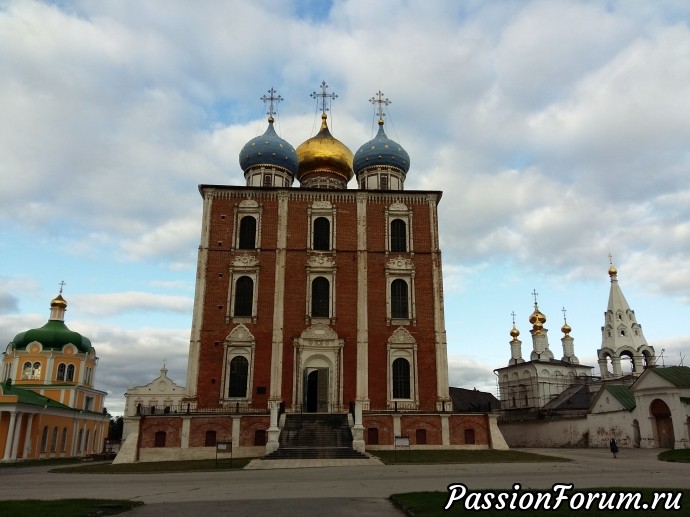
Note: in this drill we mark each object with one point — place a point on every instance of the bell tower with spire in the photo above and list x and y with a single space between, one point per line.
621 335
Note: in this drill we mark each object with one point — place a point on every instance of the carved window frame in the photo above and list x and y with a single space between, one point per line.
247 207
402 345
400 211
326 210
404 269
243 265
239 343
321 265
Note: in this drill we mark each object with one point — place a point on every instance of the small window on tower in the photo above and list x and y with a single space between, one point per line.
247 233
322 234
267 180
384 182
244 296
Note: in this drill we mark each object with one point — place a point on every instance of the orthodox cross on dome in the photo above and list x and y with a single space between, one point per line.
564 318
610 259
272 100
378 99
535 294
323 96
61 284
513 315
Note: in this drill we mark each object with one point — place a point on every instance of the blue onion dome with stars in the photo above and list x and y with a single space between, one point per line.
381 151
269 150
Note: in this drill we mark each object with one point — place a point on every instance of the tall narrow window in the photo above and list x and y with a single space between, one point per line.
239 372
401 379
267 180
320 295
61 372
36 374
398 235
44 439
53 441
70 373
244 296
63 440
247 233
322 234
384 182
399 305
26 370
86 442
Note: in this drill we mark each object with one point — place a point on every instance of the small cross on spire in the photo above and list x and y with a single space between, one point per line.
273 101
535 294
61 284
564 318
378 99
513 315
610 259
323 96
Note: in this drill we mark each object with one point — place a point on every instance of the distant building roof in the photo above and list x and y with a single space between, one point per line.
29 397
473 401
622 394
677 375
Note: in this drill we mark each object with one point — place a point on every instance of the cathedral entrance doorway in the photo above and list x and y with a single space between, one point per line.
316 394
664 425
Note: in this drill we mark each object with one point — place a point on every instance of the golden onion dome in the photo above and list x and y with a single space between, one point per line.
514 333
58 301
324 156
612 270
537 319
566 329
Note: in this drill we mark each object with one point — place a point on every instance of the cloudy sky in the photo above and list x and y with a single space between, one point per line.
558 131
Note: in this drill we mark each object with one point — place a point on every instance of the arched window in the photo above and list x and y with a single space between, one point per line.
26 370
86 442
247 233
81 437
210 439
36 373
244 296
70 373
159 439
320 295
44 439
399 305
63 440
239 372
53 441
401 379
322 234
398 235
61 372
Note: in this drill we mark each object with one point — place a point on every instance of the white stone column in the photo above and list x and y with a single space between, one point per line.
199 296
236 427
362 306
184 433
443 402
445 429
275 396
10 437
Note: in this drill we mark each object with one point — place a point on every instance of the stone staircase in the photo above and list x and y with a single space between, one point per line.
315 436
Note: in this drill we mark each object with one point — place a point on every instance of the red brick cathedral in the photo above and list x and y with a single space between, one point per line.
317 298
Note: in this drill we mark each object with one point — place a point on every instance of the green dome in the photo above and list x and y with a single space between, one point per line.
53 336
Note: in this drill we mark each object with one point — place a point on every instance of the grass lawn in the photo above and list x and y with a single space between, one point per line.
681 455
155 466
66 507
41 463
462 456
427 504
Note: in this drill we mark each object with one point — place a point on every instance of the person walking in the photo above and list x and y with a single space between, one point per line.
613 446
